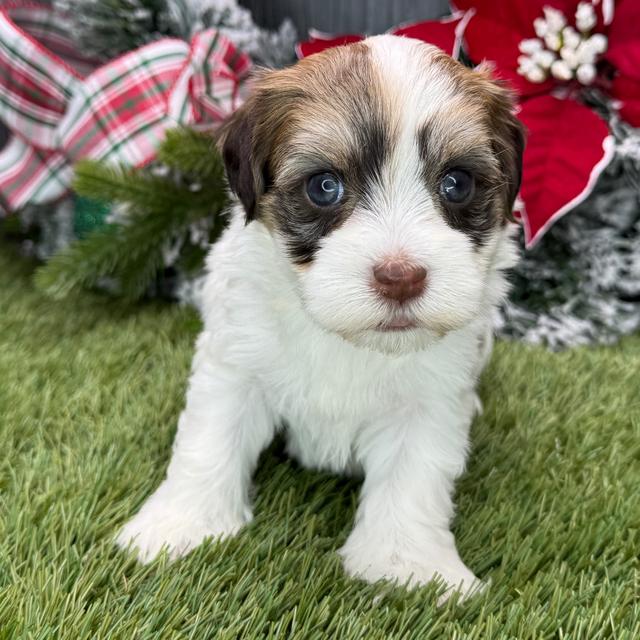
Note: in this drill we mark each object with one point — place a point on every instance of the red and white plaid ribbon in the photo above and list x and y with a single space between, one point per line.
60 107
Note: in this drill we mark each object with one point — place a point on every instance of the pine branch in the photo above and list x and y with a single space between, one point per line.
81 265
160 211
145 192
192 152
130 253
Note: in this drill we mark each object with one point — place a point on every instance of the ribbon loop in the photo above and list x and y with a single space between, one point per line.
208 88
35 83
60 108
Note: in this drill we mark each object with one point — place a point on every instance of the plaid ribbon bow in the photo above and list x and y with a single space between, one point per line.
61 107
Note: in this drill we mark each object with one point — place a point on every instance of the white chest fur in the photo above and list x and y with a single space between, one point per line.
331 394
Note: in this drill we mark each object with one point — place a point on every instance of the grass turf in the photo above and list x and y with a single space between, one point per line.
90 392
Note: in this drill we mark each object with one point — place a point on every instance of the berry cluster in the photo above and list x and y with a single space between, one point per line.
560 50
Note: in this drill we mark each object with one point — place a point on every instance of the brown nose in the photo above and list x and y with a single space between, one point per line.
399 280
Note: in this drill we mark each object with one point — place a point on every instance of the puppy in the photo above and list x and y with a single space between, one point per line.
350 301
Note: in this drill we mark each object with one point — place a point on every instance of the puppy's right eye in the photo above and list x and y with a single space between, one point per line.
457 186
325 189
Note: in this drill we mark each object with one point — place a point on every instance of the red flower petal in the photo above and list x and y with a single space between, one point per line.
627 91
567 148
487 39
624 38
321 41
445 34
517 16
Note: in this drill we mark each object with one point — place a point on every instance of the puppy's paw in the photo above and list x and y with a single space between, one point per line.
459 580
167 525
413 572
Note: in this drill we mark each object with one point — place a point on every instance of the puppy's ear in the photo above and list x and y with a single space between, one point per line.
237 142
509 135
510 143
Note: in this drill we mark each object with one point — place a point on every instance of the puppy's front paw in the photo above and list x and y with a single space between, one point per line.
167 524
416 571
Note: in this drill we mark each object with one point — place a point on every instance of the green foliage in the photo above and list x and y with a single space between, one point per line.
159 212
88 215
105 29
193 153
548 509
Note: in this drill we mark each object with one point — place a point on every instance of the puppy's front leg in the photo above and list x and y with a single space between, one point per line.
221 432
402 524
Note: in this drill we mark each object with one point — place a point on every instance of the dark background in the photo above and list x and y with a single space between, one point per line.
344 16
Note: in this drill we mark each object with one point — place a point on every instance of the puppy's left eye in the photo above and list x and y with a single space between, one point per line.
457 186
325 189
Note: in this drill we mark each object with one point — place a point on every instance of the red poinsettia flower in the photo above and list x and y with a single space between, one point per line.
445 33
549 50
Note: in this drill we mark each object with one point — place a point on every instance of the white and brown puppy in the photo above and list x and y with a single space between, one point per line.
350 299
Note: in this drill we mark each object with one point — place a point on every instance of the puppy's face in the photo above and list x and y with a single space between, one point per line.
386 171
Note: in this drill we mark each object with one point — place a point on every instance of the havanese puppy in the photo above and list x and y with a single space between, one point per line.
350 301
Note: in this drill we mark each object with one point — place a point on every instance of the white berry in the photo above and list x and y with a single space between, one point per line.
598 42
586 73
535 74
525 62
586 53
560 50
553 41
544 58
585 17
530 45
571 38
570 56
561 70
541 27
555 19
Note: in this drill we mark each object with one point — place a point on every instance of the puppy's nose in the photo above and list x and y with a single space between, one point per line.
399 280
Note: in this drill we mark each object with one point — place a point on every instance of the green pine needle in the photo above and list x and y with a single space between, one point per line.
81 265
192 152
147 193
160 210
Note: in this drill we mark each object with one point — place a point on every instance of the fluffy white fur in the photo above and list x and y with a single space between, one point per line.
302 346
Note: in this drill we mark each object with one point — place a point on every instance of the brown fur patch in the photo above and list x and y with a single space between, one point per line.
324 114
507 132
475 130
333 112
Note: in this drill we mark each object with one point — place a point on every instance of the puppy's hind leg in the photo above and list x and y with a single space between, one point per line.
221 432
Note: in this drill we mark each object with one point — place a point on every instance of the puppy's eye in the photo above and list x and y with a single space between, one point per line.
325 189
457 186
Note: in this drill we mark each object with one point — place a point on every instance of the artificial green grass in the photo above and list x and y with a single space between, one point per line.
90 392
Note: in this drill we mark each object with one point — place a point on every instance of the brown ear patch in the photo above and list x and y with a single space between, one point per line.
473 130
249 137
509 134
323 114
510 150
237 150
